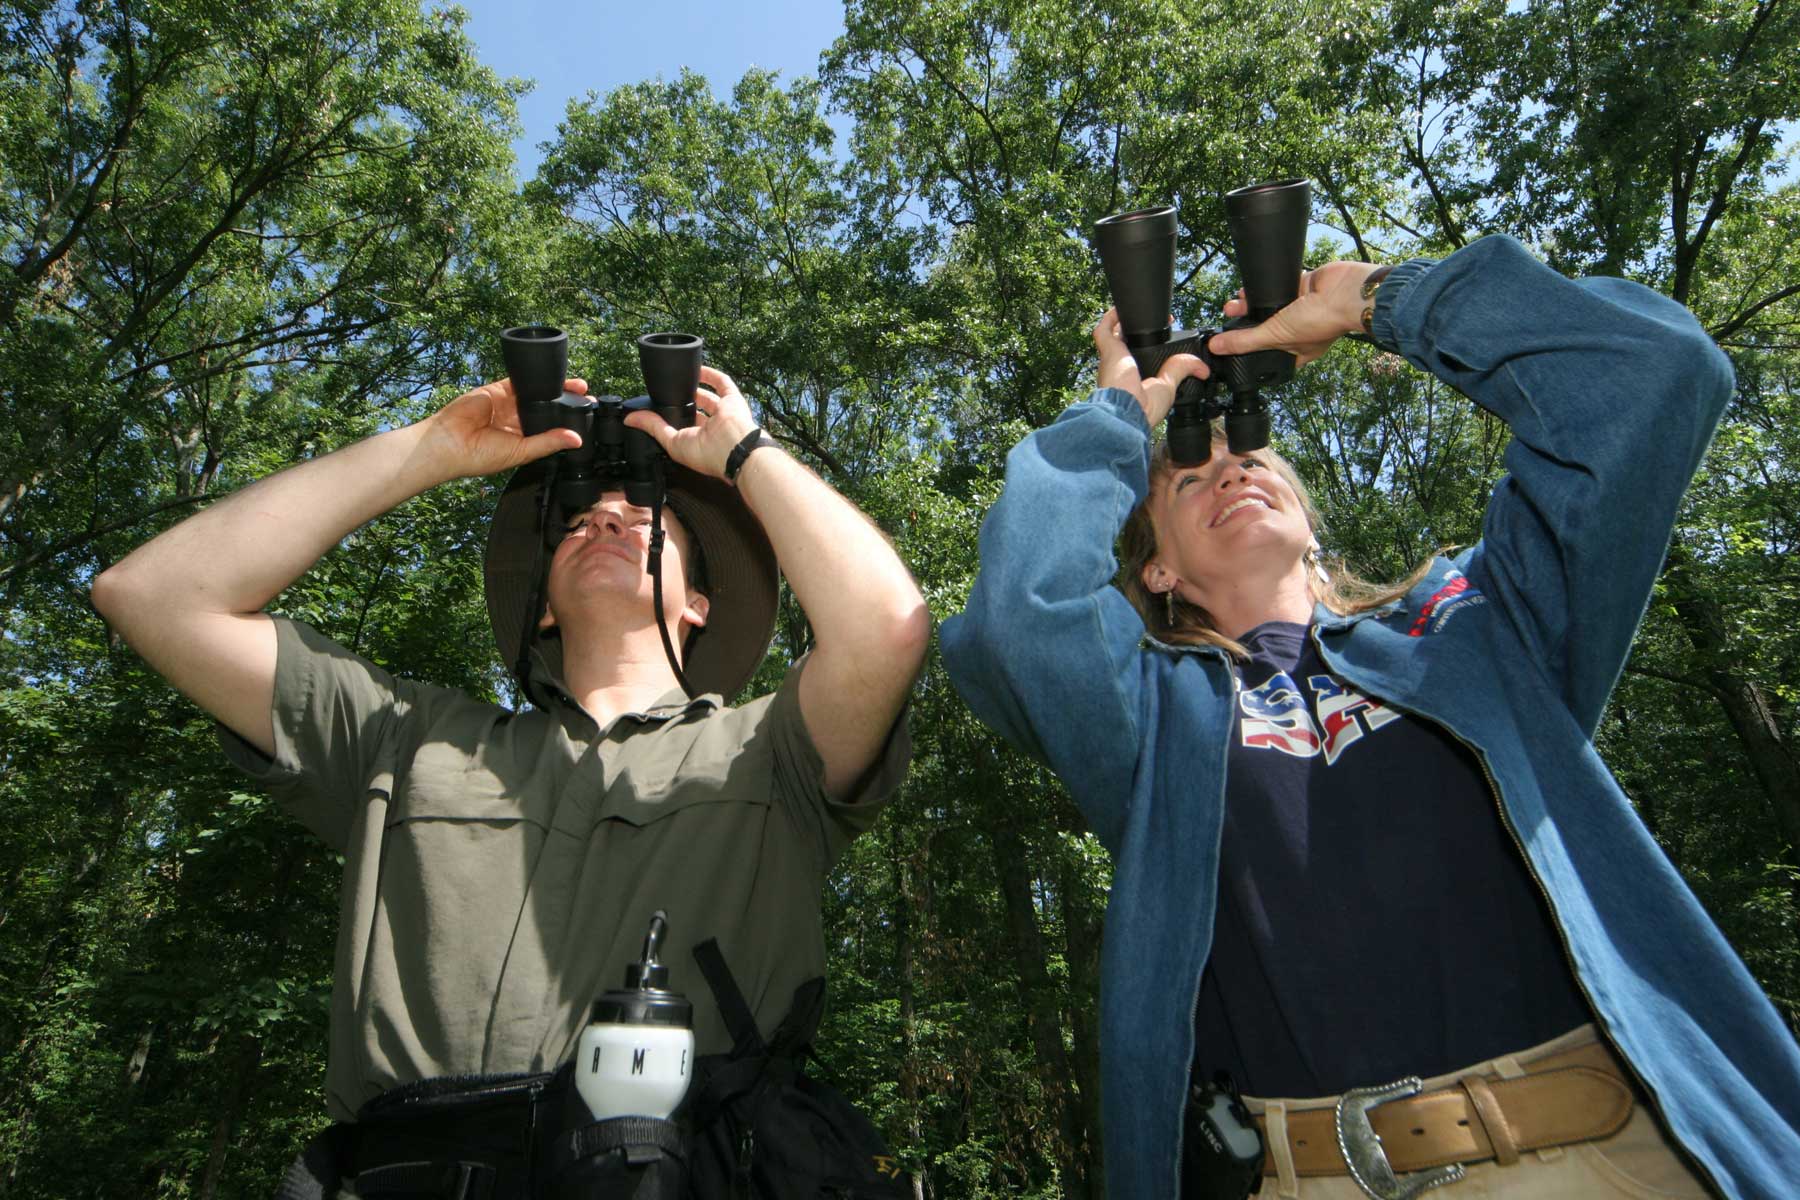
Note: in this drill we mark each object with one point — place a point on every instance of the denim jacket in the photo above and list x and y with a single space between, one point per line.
1612 392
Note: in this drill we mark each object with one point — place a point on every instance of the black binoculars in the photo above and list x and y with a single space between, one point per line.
1268 236
612 456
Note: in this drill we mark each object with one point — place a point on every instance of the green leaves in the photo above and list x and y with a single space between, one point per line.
236 237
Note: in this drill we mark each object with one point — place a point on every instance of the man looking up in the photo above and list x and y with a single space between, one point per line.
501 868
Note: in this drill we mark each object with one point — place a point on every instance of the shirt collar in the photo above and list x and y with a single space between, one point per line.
545 689
1332 622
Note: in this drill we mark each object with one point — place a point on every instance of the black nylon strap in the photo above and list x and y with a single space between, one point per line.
534 599
620 1133
654 566
755 439
739 1020
794 1036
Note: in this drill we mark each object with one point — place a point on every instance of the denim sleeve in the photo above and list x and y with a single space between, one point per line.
1047 651
1612 392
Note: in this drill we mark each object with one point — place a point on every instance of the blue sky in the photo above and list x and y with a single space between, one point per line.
571 48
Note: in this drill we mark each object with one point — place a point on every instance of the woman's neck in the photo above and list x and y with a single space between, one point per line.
1240 605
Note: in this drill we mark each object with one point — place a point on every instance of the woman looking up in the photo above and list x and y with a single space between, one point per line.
1362 835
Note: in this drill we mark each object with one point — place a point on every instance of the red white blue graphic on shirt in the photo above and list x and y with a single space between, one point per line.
1277 717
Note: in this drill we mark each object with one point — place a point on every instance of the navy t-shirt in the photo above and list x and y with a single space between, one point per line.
1375 918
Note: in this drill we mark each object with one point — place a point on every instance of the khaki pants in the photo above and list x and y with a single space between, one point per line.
1635 1162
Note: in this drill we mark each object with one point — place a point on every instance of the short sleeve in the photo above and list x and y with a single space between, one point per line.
334 716
797 784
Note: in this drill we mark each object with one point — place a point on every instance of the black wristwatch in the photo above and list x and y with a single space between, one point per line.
753 441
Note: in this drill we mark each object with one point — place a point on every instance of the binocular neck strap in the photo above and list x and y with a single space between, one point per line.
534 598
656 591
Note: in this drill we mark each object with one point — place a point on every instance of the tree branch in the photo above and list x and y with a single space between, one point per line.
58 549
1721 332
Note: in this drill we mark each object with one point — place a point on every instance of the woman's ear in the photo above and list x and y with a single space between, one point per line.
1157 579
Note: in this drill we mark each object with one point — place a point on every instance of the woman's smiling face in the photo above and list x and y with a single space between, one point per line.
1231 515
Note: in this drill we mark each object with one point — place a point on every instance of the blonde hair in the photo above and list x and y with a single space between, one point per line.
1171 619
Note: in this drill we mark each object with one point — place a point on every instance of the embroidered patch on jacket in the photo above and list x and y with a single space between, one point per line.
1446 602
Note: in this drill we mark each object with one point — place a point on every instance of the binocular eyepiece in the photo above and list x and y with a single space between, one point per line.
612 456
1268 237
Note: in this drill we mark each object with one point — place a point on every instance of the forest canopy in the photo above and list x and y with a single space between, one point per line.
236 237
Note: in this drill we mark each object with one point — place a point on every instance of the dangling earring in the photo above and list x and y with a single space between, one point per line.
1316 565
1169 607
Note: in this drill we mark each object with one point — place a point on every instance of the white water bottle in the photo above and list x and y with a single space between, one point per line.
635 1056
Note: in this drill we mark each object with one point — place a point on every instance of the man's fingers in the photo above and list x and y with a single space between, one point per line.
717 380
652 424
544 444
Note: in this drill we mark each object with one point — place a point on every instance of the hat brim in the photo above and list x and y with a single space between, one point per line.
742 578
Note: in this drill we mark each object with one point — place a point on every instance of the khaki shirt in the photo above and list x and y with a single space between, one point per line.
501 868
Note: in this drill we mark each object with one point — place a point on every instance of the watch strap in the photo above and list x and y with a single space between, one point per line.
755 440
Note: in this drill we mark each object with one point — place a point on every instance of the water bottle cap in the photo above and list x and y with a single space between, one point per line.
644 1006
645 998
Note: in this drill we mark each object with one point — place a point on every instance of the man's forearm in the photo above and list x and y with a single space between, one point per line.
857 593
189 600
870 623
237 555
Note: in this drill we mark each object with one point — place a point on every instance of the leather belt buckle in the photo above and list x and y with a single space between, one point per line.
1362 1150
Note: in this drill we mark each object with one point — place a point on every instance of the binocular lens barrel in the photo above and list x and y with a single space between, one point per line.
537 361
1247 431
1268 237
640 458
1137 252
671 366
1189 434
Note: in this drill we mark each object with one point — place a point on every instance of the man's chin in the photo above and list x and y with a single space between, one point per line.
603 600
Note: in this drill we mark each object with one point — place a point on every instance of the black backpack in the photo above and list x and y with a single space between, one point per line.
760 1129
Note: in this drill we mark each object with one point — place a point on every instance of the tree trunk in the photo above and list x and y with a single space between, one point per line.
237 1094
84 871
1746 703
1082 922
1041 1006
905 960
140 1059
248 1055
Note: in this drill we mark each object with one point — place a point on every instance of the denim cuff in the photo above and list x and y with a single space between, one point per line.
1122 404
1388 298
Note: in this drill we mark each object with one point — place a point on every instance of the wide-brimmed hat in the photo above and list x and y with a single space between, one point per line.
740 573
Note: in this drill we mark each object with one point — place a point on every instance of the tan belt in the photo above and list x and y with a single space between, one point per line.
1577 1096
